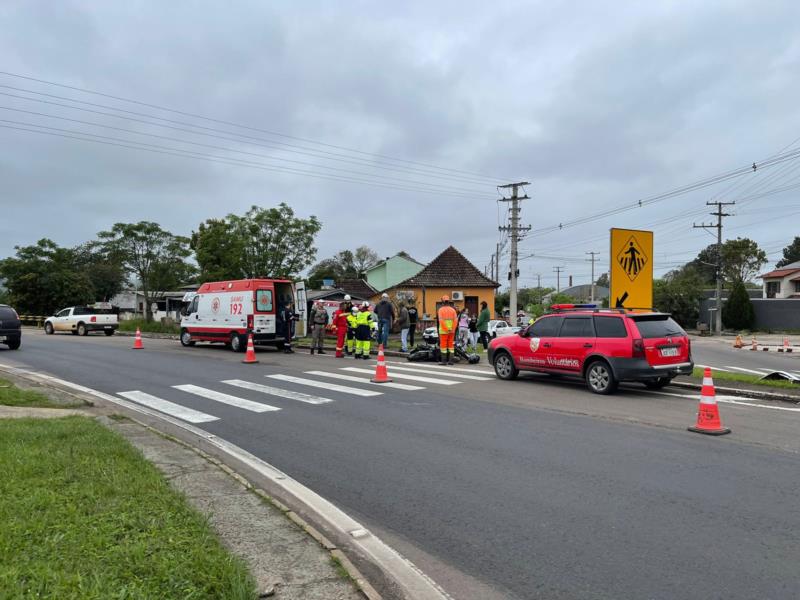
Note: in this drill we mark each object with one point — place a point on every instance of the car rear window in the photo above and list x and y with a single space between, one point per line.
577 327
610 327
546 327
657 326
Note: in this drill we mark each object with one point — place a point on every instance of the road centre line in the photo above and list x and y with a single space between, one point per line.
354 379
325 385
226 398
442 373
405 376
170 408
279 392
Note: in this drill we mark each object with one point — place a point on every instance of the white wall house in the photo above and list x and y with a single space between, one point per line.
783 282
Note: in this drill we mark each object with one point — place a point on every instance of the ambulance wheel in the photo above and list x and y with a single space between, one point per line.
504 366
186 338
238 343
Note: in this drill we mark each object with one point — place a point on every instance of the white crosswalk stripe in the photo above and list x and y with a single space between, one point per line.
279 392
354 379
326 385
442 372
476 370
406 376
226 398
170 408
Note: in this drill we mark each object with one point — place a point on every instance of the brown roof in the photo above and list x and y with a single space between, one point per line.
449 269
780 273
356 287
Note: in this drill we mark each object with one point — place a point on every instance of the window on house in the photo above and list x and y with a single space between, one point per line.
773 288
797 286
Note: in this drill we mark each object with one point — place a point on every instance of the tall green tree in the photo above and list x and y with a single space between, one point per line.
738 312
679 293
44 277
218 250
106 271
146 250
742 259
790 254
345 264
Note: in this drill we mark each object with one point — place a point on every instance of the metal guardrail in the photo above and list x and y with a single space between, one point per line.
37 320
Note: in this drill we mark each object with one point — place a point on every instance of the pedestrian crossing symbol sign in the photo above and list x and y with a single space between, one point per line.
632 258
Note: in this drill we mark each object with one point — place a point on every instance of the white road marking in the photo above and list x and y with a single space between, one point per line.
279 392
712 368
328 386
476 370
354 379
170 408
404 376
743 370
733 400
226 398
443 372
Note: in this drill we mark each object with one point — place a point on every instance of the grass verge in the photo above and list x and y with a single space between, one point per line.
11 395
744 378
150 327
84 516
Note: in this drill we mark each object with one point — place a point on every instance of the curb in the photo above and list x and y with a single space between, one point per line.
744 393
399 574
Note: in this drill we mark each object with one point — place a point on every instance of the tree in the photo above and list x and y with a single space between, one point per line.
738 312
345 264
603 281
44 277
742 259
679 293
363 259
264 242
705 265
105 271
146 250
790 254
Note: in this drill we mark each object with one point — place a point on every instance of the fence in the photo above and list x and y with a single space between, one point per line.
37 320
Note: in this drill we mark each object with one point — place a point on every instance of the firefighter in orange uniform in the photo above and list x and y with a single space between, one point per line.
340 325
447 318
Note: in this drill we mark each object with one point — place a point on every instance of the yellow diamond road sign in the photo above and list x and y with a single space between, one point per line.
631 272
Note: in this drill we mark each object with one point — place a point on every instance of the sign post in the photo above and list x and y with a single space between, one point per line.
631 269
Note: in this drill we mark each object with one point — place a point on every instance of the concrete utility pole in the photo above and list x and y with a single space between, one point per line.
593 259
515 231
558 278
719 214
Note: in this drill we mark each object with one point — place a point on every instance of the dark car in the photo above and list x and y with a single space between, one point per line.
603 346
10 327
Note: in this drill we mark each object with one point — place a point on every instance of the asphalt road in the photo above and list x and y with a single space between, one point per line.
535 488
720 354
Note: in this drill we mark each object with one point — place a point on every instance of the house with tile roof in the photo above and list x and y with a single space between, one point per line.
783 282
449 274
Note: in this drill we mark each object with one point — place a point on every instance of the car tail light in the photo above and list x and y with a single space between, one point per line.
689 346
93 320
250 321
638 348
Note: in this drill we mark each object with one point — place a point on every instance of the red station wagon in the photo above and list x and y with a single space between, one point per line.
603 346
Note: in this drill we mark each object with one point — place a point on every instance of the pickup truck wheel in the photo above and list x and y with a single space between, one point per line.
186 338
504 366
82 329
237 343
48 328
600 378
109 332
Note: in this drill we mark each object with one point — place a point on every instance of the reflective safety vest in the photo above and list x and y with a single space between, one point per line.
365 318
352 320
447 319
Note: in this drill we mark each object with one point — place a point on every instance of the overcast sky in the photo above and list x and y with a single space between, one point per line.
394 122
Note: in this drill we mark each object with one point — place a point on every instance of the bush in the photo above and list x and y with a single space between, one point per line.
738 312
151 327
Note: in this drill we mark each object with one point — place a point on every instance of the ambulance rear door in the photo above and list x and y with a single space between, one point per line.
264 314
301 307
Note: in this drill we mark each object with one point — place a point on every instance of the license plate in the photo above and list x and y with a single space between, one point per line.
107 327
669 352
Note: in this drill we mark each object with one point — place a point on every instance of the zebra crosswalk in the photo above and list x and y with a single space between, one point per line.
196 403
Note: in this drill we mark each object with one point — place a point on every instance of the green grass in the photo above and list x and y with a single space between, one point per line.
11 395
744 378
151 327
84 516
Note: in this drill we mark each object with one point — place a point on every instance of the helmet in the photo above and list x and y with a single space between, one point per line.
445 298
347 297
365 304
354 310
384 295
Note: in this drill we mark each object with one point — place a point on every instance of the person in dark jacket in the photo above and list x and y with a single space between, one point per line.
289 317
318 321
384 310
412 323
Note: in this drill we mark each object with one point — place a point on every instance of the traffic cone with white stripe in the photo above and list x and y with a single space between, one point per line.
137 341
250 355
738 343
708 420
754 347
381 376
786 347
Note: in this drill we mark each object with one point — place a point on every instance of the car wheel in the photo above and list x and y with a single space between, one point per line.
13 344
82 329
48 328
657 384
504 366
186 338
109 332
74 332
600 378
236 343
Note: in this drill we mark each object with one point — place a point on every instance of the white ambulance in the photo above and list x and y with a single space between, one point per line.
227 311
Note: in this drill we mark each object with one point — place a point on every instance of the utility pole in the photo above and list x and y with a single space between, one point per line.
558 278
515 231
593 259
719 214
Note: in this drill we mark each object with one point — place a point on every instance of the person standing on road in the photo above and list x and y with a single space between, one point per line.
319 319
403 324
364 326
447 318
340 327
483 324
463 327
412 323
385 313
473 333
352 325
289 317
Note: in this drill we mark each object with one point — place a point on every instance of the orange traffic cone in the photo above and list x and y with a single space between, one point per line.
754 347
738 343
708 420
137 341
381 376
786 344
250 355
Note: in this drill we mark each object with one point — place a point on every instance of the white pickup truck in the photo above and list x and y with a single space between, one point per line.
80 320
